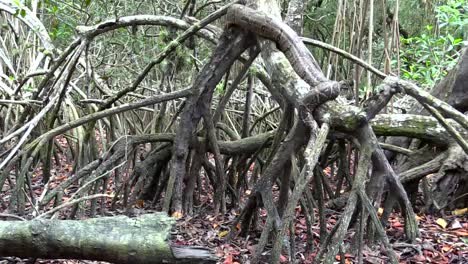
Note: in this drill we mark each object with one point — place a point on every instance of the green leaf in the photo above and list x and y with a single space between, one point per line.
54 9
23 12
450 37
28 88
253 70
220 87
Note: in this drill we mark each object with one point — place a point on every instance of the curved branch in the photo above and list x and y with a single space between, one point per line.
30 20
115 110
142 20
287 40
106 26
345 54
424 97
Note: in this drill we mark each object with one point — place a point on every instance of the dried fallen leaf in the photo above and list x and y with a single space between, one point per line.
441 222
460 211
446 248
223 233
419 258
461 233
228 260
140 203
177 215
219 252
380 211
455 224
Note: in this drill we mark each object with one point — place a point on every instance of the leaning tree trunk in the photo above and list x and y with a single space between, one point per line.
449 181
116 239
454 87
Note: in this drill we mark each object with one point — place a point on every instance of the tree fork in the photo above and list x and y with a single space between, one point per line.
232 44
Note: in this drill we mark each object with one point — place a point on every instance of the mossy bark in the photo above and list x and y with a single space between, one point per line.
118 239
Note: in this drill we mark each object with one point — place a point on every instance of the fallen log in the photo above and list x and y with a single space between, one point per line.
117 239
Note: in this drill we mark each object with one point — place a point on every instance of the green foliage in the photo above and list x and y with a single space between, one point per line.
59 22
220 87
87 2
428 58
253 71
61 32
20 11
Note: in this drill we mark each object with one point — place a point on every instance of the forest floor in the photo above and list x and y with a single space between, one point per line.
444 239
444 236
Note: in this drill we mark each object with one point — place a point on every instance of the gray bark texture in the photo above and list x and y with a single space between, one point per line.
118 239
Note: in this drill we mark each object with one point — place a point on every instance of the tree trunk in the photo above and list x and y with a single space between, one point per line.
450 182
116 239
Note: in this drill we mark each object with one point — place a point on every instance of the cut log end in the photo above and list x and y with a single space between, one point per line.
193 255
